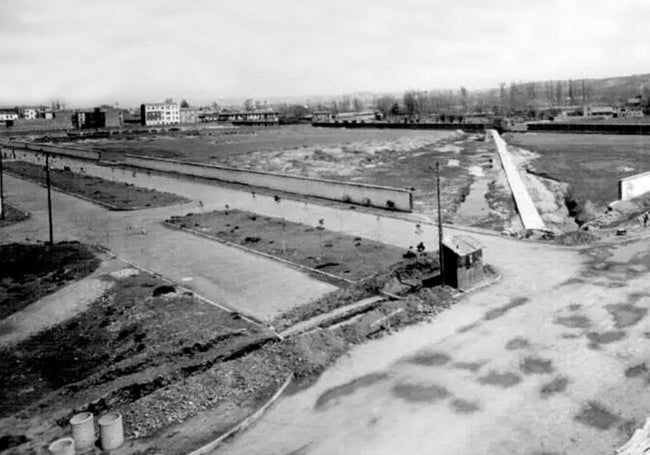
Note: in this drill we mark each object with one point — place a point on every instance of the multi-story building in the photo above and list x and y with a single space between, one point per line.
30 113
98 118
155 114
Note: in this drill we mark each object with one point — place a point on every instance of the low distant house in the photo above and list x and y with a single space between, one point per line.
322 117
634 101
158 114
30 113
208 116
8 115
260 118
600 111
189 115
357 117
463 262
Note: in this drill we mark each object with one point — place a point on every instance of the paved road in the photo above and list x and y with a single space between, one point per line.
224 275
551 360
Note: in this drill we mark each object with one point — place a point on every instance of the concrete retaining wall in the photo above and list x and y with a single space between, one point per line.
54 150
591 128
527 211
403 126
356 193
633 186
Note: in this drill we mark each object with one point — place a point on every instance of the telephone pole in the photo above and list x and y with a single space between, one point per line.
440 253
49 197
2 191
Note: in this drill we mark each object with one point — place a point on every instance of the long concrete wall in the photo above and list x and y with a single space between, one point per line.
356 193
528 213
633 186
53 149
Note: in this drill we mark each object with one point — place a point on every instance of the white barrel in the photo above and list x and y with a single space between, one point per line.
83 430
63 446
111 430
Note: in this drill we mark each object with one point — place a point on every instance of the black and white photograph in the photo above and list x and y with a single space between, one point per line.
324 228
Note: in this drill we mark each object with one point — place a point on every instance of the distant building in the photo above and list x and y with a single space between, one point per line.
189 115
157 114
98 118
322 117
30 113
8 115
208 116
261 117
599 111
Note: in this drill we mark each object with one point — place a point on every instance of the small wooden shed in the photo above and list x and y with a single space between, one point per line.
463 261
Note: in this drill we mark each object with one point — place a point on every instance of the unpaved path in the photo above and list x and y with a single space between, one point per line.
552 359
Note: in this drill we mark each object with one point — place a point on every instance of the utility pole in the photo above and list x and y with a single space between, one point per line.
2 191
49 197
440 253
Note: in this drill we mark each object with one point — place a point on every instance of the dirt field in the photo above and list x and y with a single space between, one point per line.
30 271
12 215
114 195
312 246
592 164
400 158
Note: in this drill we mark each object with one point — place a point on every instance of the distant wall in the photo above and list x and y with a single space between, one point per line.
593 128
53 149
633 186
403 126
356 193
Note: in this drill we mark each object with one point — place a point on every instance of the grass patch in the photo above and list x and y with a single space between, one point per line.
115 195
316 247
12 215
29 272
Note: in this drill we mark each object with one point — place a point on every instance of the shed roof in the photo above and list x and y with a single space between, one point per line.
462 245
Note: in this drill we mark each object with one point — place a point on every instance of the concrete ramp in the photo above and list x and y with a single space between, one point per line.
528 213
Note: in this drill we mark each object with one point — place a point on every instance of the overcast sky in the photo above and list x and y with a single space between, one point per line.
87 52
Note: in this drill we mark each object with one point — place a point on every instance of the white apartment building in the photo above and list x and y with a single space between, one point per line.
155 114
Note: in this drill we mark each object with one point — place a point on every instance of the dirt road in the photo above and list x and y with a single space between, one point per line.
551 360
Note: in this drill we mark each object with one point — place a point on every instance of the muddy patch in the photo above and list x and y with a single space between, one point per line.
428 359
574 307
517 343
498 312
461 406
347 389
625 314
536 365
420 393
574 321
636 370
469 366
596 339
467 328
557 385
504 380
595 415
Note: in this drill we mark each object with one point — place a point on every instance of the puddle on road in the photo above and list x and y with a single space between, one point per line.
625 314
575 321
595 415
469 366
428 358
636 370
461 406
596 339
420 393
557 385
344 390
536 365
517 343
495 378
500 311
475 207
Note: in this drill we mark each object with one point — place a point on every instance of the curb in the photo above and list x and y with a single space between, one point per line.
259 253
106 205
209 447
